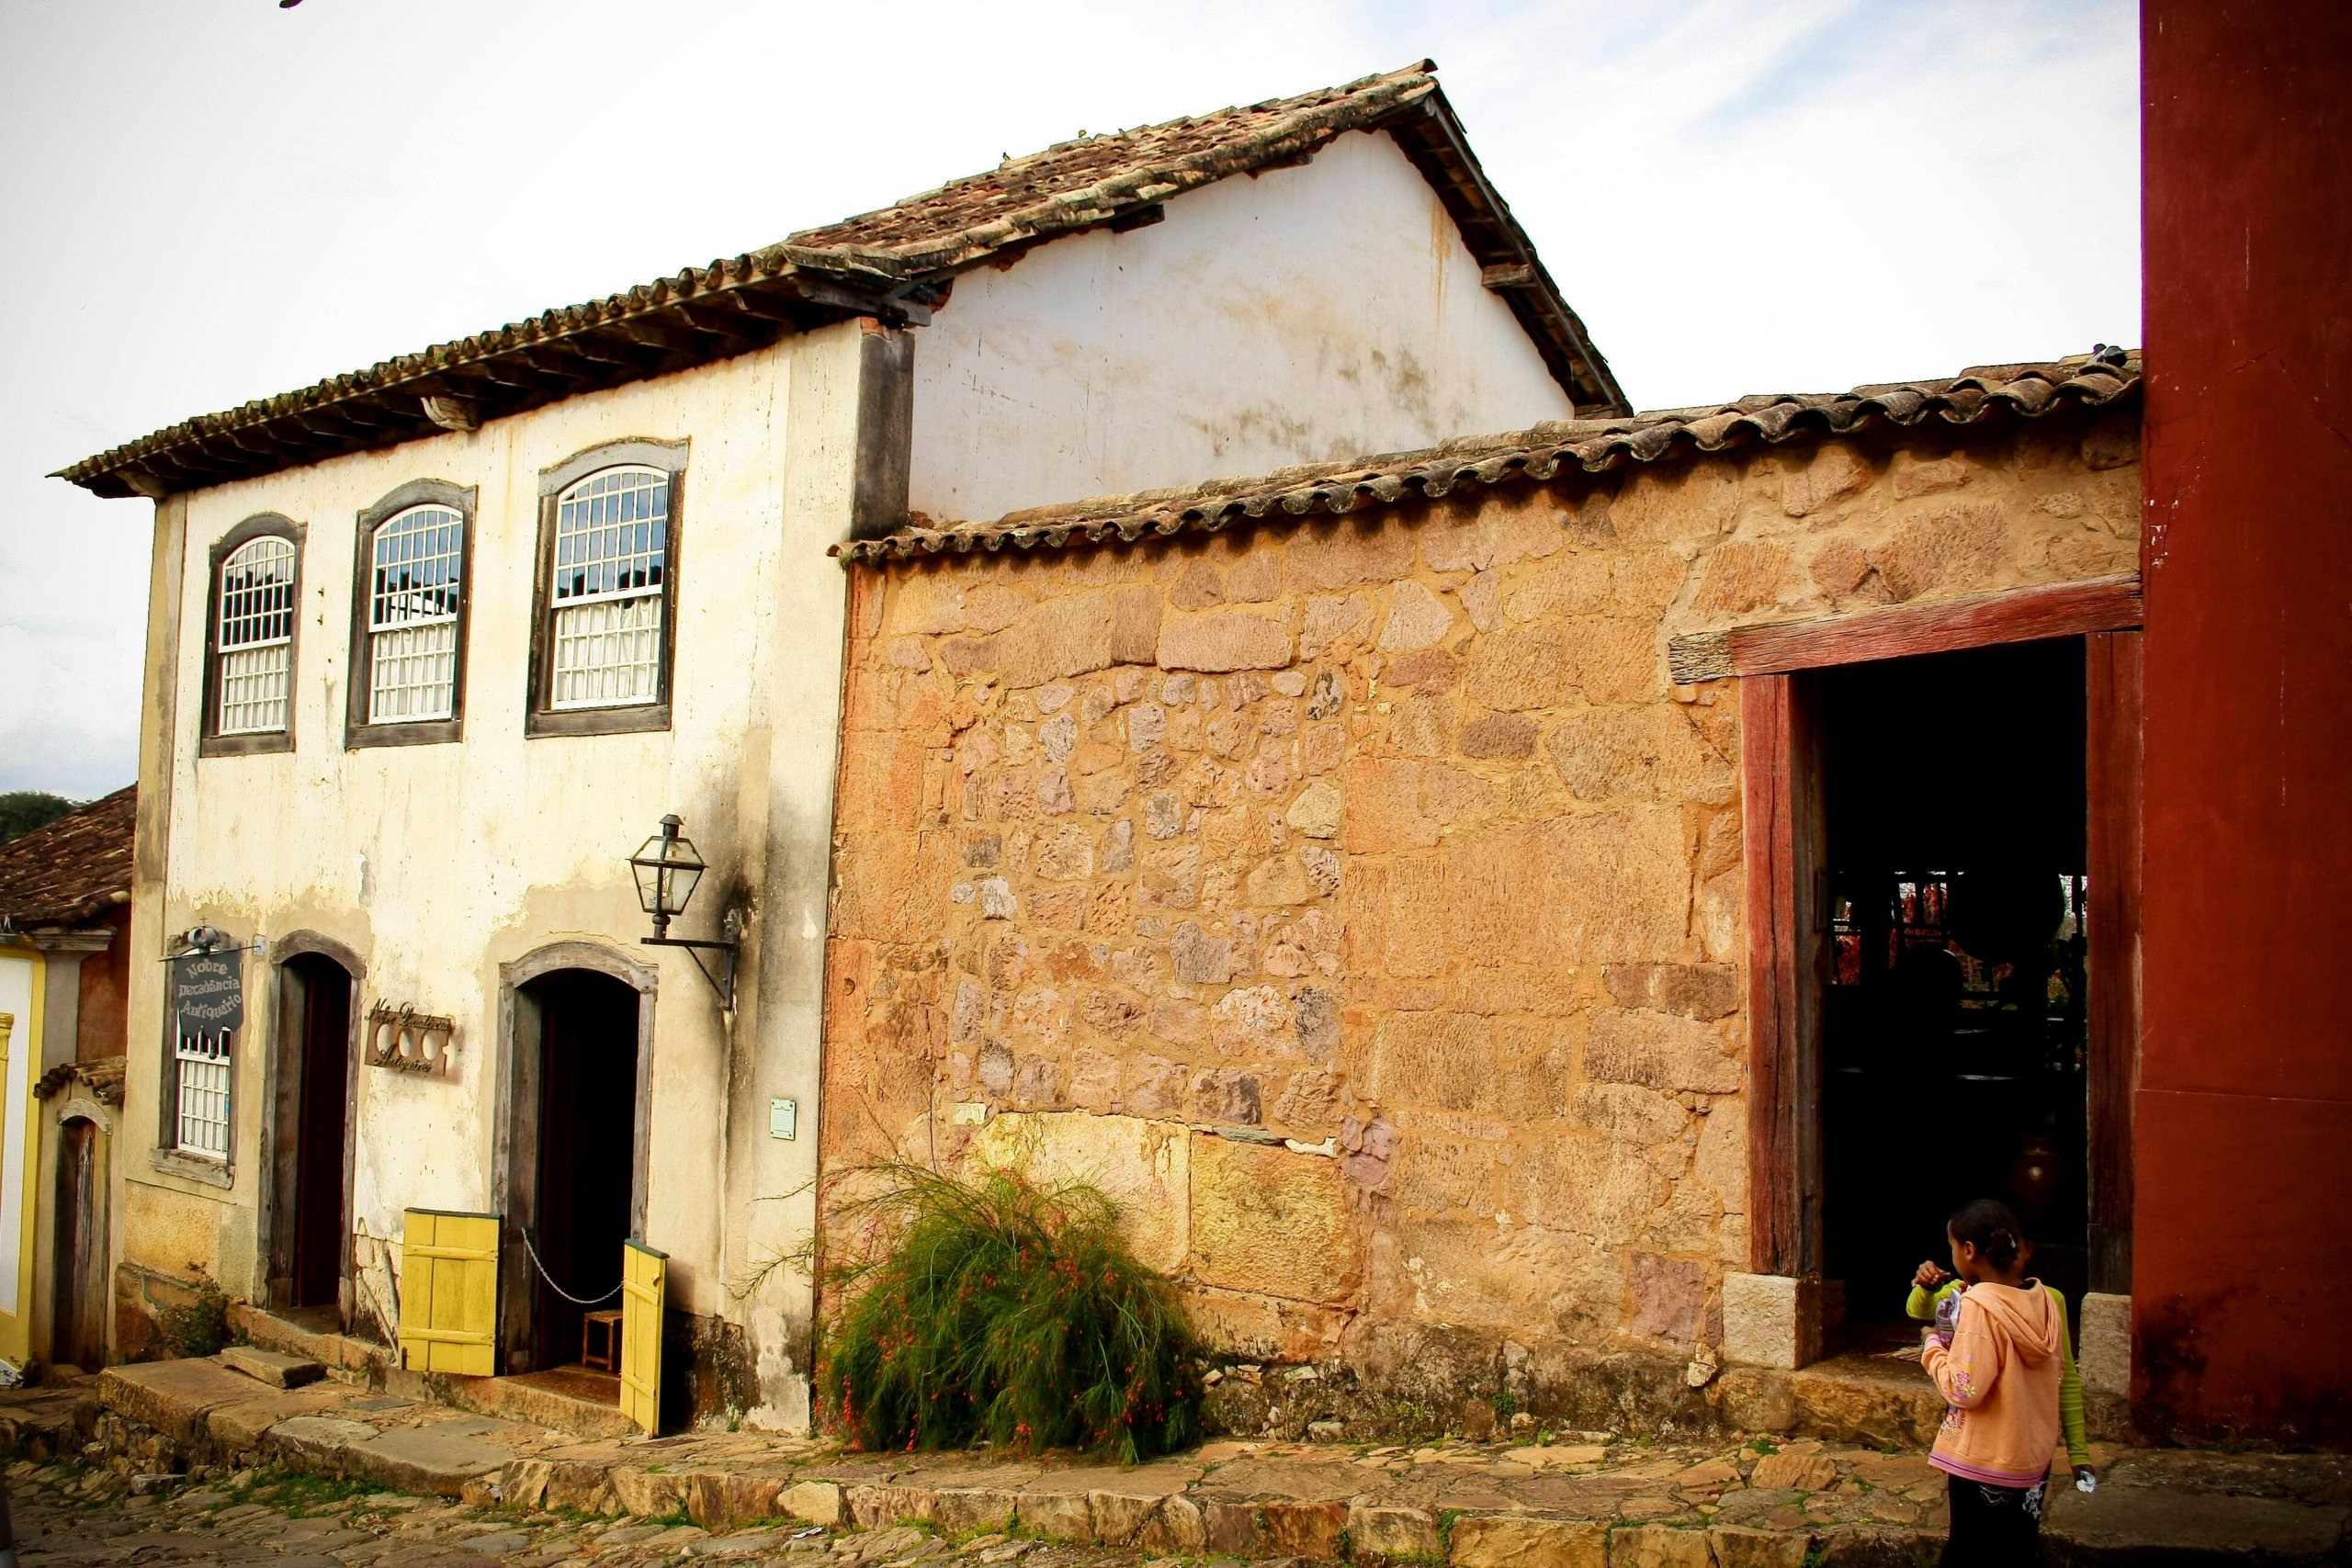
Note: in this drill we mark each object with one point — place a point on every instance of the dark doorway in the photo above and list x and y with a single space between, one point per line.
77 1286
321 1130
585 1165
1952 1023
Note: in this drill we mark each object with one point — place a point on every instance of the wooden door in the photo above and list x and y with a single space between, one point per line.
644 1279
450 1293
78 1295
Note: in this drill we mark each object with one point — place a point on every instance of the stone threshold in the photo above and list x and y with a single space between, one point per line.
1588 1500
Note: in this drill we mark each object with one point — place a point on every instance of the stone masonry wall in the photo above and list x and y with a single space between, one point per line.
1354 899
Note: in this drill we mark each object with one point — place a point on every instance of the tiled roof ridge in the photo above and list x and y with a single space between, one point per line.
1298 125
2025 390
895 262
73 868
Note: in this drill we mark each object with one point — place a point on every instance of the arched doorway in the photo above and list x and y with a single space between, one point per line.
312 1150
573 1165
78 1280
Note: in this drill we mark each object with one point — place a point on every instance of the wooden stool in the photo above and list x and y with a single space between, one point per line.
604 1326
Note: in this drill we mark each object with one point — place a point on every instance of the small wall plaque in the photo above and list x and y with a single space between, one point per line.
407 1041
784 1118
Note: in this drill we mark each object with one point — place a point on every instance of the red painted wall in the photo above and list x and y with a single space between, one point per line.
2245 1108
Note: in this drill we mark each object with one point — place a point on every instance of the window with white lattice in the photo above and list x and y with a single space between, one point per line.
201 1123
607 589
416 584
253 638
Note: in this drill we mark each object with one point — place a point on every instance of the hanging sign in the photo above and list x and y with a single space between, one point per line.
208 991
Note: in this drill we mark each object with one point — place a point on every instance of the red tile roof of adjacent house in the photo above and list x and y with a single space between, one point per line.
894 262
1666 435
74 869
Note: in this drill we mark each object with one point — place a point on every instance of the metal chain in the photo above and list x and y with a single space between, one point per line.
558 1290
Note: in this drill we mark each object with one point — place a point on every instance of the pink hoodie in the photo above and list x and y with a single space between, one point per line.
2001 1379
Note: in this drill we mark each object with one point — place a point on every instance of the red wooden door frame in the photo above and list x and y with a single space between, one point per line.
1783 826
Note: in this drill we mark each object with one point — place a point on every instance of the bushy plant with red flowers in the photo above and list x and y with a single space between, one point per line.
1004 1311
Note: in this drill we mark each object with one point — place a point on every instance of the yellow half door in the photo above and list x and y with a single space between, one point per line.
645 1275
450 1293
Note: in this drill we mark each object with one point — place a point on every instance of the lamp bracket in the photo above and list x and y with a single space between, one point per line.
723 983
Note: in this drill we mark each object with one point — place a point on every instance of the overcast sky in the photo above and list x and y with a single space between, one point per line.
212 200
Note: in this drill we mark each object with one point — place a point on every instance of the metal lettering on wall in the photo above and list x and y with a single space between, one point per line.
407 1041
208 992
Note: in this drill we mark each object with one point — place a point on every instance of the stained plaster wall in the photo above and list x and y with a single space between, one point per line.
437 864
1356 901
1106 363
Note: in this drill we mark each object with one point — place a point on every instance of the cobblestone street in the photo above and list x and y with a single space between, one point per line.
66 1513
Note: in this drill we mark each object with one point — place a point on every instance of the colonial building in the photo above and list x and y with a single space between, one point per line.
65 980
1510 920
434 647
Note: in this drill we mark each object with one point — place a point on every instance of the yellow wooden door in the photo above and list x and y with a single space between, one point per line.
450 1293
645 1275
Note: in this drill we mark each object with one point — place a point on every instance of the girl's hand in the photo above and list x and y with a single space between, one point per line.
1929 1277
2085 1479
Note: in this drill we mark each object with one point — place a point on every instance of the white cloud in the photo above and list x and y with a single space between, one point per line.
213 203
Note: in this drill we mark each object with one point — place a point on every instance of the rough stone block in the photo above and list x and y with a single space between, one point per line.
1305 1529
1069 635
818 1502
1177 1527
1267 1220
964 1510
1660 1546
1232 1530
2104 1356
271 1367
1737 1546
647 1494
1506 1540
424 1461
1375 1531
172 1396
1771 1320
728 1500
1659 1051
1060 1515
583 1486
1119 1516
1224 641
1143 1166
314 1439
1796 1471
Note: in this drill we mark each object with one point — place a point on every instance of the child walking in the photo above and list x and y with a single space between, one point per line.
2002 1376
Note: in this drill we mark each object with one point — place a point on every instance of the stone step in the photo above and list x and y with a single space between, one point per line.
530 1399
345 1355
273 1367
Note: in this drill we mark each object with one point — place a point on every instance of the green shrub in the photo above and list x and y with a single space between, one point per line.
198 1329
1007 1311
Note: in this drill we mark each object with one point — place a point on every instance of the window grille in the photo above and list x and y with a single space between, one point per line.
204 1094
612 540
256 641
412 599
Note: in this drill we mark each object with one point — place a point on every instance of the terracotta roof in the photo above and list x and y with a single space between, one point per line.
2024 391
102 1077
72 869
894 264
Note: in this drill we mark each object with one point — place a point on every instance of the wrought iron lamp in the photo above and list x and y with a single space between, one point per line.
668 868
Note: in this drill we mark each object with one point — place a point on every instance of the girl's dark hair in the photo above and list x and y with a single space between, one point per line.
1988 1224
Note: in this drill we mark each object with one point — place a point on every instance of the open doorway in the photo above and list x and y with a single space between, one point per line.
1953 1039
573 1164
312 1147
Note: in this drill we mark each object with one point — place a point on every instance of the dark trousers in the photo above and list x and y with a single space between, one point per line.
1997 1527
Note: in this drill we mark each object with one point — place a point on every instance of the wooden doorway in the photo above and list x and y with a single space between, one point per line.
1793 913
313 1144
78 1280
572 1163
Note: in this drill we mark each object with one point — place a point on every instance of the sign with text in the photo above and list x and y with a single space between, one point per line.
208 992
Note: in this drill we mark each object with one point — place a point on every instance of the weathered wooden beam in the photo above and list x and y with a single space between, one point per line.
1507 275
2017 615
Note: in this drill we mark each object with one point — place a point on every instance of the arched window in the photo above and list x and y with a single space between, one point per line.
607 588
254 638
415 581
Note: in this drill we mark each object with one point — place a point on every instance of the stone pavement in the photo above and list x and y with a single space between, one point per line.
1548 1500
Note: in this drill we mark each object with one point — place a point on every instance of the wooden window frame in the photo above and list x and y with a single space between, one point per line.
211 742
357 730
1784 825
541 716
